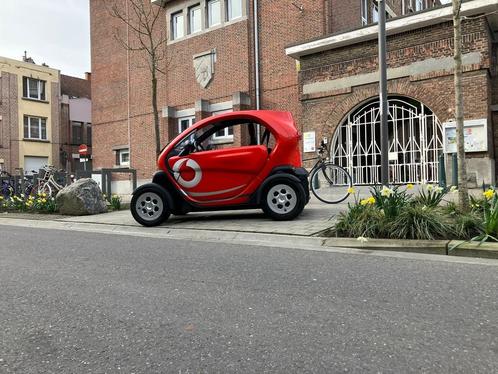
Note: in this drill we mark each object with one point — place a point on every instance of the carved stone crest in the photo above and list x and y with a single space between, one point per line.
204 67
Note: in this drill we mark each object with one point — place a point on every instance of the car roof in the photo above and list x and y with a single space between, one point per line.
278 122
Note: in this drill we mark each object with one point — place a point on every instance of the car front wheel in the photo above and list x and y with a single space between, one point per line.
283 199
149 205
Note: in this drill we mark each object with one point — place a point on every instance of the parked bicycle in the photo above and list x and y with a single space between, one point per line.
330 183
47 183
6 187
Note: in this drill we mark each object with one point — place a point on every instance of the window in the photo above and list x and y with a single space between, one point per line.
195 19
225 133
234 9
364 12
419 5
214 12
123 157
77 133
35 128
177 26
33 88
375 14
184 123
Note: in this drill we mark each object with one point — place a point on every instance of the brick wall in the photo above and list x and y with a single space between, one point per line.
281 23
9 126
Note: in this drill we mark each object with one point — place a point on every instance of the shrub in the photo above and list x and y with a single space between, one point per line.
430 196
116 202
420 222
467 225
360 221
390 200
39 203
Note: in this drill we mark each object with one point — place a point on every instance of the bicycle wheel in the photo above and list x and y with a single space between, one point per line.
330 183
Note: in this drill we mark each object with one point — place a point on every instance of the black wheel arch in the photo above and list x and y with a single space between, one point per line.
166 193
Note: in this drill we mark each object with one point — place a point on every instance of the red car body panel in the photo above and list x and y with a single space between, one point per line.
229 176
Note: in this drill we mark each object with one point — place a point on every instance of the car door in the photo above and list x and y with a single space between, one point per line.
222 174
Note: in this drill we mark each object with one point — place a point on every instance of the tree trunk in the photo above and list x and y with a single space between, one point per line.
156 113
463 197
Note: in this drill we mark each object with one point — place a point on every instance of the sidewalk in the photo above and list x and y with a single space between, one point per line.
315 218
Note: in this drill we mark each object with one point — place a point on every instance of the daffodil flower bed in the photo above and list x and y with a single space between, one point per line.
33 203
397 213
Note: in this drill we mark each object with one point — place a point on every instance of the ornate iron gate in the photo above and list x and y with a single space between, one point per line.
415 143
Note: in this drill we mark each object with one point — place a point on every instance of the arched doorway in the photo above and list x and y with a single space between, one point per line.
415 143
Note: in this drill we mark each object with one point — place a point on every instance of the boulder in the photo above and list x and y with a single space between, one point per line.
81 198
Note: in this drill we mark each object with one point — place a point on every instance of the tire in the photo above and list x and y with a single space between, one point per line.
283 199
149 205
330 183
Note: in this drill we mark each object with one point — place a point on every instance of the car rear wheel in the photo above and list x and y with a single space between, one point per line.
283 199
149 206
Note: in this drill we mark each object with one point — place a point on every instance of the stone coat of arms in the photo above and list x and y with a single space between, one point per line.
204 68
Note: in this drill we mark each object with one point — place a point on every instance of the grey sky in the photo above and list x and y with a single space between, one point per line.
56 32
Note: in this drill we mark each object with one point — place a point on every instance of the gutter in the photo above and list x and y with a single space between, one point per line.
393 27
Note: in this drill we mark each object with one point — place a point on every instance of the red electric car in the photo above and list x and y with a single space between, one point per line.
238 160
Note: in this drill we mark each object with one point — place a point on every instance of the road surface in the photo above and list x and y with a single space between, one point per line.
75 302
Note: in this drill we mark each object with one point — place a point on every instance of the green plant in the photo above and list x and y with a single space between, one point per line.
420 222
467 225
116 202
360 221
490 222
390 200
430 196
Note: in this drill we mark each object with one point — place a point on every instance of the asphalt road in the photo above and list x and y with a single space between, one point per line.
73 302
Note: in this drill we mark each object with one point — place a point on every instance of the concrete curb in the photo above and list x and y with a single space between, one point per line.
428 247
473 249
436 247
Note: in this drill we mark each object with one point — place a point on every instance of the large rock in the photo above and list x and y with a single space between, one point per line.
81 198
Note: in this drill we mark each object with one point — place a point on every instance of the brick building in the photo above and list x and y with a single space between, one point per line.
338 91
317 59
29 115
75 121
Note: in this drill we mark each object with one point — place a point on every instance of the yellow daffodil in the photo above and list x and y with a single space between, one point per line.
453 189
430 187
488 194
386 191
409 186
438 189
1 198
351 190
369 201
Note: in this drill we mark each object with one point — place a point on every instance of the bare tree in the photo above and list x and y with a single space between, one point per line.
148 39
463 196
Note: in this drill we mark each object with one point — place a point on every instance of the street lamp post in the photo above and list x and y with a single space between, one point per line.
384 131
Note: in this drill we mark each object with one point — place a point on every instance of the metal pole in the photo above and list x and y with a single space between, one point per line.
256 64
384 131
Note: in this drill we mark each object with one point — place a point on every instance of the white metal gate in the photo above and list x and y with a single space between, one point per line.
415 143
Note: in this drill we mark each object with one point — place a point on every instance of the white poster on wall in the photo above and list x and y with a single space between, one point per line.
475 134
309 141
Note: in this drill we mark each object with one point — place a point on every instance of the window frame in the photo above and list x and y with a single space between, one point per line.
364 12
42 128
422 4
190 119
209 12
174 24
191 10
119 157
40 89
229 10
226 137
73 125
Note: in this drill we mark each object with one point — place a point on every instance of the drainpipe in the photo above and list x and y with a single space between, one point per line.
256 63
128 83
